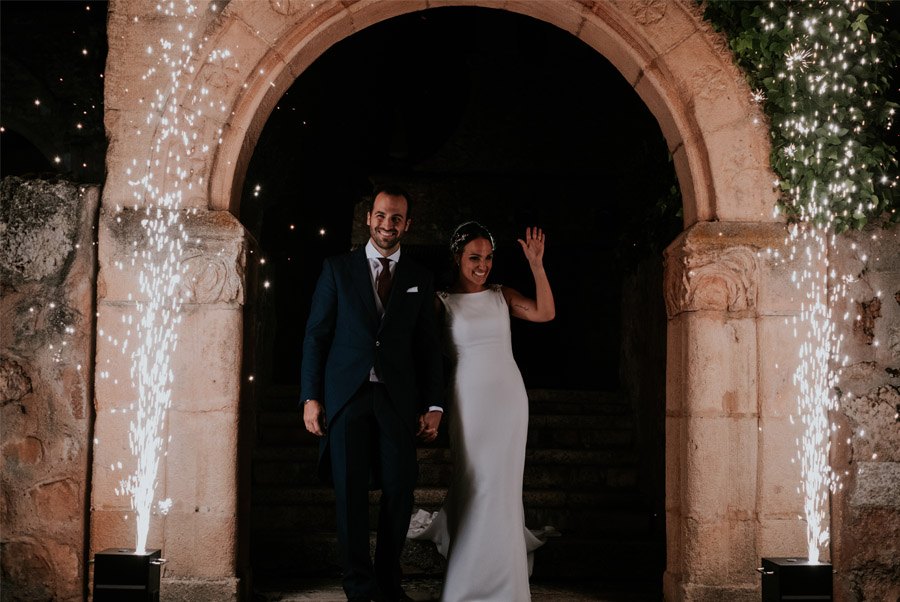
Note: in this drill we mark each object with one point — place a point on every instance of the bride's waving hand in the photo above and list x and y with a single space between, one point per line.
542 308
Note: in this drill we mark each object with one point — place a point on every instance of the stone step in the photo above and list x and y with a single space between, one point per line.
544 468
312 509
570 431
541 401
303 554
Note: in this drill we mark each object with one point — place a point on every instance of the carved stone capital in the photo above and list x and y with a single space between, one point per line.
212 261
707 270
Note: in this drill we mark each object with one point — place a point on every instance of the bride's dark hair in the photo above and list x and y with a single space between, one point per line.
467 232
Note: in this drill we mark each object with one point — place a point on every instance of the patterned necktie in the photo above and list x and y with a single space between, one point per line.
383 283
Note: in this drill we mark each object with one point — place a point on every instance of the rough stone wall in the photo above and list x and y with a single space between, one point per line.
866 448
47 282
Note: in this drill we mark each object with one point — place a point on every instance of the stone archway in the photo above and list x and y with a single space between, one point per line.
729 495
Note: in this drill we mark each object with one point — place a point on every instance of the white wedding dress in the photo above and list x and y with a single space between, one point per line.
481 525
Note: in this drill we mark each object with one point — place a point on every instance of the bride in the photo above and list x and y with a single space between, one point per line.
481 525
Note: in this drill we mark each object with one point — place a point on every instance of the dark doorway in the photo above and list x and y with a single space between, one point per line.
488 115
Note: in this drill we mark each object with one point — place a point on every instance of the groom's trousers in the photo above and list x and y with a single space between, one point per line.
369 444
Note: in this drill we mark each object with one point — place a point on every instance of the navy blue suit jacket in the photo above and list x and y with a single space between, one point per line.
345 337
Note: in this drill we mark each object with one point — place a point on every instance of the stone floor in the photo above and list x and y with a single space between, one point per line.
428 590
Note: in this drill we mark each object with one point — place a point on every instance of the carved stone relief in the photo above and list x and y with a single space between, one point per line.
286 7
211 278
716 279
647 12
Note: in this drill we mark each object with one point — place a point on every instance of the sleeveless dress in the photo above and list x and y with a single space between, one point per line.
481 525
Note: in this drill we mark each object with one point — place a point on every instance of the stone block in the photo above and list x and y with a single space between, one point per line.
778 360
113 459
306 42
662 98
201 462
675 462
707 78
877 485
743 182
778 292
200 545
779 470
720 553
113 386
659 24
719 481
696 190
59 501
27 568
602 37
720 355
674 543
275 22
676 369
781 537
706 593
369 12
569 21
213 383
872 425
191 590
117 529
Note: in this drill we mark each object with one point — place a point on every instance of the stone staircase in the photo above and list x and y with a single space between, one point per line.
581 476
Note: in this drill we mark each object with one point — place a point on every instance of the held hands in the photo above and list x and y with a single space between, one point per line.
428 426
533 246
314 417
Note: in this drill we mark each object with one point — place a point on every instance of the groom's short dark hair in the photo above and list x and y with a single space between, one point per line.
393 190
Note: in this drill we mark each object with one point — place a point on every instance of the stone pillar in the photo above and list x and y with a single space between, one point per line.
199 468
731 490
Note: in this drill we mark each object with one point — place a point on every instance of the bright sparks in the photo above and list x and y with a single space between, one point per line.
158 189
816 68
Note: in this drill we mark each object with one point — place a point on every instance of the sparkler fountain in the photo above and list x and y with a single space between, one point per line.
827 187
159 187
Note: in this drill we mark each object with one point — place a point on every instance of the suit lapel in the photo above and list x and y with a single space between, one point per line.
362 281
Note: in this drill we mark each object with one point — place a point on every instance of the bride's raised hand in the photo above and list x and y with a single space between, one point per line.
533 246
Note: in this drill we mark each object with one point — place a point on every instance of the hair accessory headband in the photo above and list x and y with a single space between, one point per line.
463 235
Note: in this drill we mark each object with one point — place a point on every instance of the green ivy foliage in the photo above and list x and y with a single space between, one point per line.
841 83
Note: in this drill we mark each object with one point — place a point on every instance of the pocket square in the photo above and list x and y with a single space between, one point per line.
413 289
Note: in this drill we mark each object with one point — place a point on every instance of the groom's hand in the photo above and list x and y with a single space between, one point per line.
428 425
314 417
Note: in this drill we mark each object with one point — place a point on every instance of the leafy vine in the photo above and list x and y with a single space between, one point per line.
823 71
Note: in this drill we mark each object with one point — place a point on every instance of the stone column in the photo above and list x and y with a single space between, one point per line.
730 486
199 468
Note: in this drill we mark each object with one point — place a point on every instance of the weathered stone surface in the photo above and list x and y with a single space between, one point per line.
38 228
47 267
874 424
191 590
14 381
866 444
27 570
877 485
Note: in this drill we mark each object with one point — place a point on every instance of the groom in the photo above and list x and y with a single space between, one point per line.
370 379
